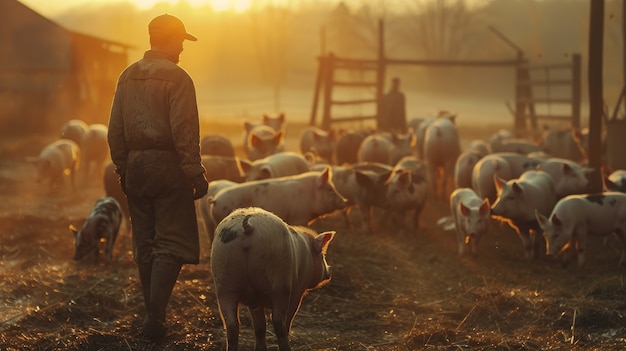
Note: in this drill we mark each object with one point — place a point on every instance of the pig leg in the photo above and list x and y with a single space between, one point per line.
280 320
460 239
258 321
229 310
619 234
581 243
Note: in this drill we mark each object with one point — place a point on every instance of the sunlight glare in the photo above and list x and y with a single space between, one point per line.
217 5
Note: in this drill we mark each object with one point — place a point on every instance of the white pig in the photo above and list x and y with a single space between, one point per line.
376 148
296 199
94 150
463 168
262 140
471 218
203 208
568 176
55 160
280 164
260 261
483 173
319 141
616 181
441 149
517 201
407 190
576 217
74 130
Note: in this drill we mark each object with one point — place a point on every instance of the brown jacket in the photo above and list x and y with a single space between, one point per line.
155 108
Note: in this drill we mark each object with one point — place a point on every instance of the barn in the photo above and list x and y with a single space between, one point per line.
49 74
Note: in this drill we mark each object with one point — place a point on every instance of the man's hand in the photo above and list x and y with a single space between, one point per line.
200 186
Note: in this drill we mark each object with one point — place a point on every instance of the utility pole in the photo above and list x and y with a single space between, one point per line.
596 38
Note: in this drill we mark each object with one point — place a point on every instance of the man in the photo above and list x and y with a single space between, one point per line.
154 139
393 118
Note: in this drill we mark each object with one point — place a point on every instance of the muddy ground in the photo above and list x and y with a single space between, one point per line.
388 292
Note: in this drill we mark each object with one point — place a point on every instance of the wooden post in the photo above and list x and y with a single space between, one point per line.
329 67
596 35
321 69
519 126
380 73
576 90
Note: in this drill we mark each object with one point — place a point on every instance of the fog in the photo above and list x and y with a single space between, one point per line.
265 59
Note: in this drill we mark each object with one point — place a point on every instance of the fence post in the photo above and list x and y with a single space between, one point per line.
321 69
380 74
329 67
519 126
576 90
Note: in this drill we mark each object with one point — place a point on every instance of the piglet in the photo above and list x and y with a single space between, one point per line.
260 261
103 222
576 217
471 218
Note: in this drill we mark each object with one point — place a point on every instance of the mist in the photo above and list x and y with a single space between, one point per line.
265 59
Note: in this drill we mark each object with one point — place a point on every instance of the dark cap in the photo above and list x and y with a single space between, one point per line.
168 24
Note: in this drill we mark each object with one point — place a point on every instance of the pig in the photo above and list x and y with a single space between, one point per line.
297 199
577 217
262 140
496 140
369 190
103 222
203 208
74 130
348 144
518 146
376 148
275 120
616 181
223 167
277 165
407 190
441 150
564 143
112 188
420 135
216 145
471 218
403 145
321 142
54 161
480 147
517 201
463 168
94 150
507 165
568 177
260 261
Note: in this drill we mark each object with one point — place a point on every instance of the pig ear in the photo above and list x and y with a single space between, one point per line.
485 207
278 137
266 119
499 182
518 189
324 178
384 178
73 230
322 241
244 165
405 178
247 126
362 179
465 211
254 140
541 219
281 118
567 169
264 173
556 221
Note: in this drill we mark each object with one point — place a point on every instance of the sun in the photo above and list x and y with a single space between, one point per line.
217 5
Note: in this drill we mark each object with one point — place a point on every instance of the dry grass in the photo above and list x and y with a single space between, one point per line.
388 292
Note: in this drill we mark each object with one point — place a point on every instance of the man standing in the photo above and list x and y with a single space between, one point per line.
154 136
393 118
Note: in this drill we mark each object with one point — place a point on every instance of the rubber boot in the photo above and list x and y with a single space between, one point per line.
165 272
145 276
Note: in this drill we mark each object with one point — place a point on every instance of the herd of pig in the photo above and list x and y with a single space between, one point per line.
258 207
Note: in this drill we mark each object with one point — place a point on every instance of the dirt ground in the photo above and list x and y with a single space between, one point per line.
388 292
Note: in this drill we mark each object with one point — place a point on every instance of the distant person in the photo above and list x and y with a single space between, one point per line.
154 136
393 116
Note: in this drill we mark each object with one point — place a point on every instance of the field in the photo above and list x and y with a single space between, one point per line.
388 292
